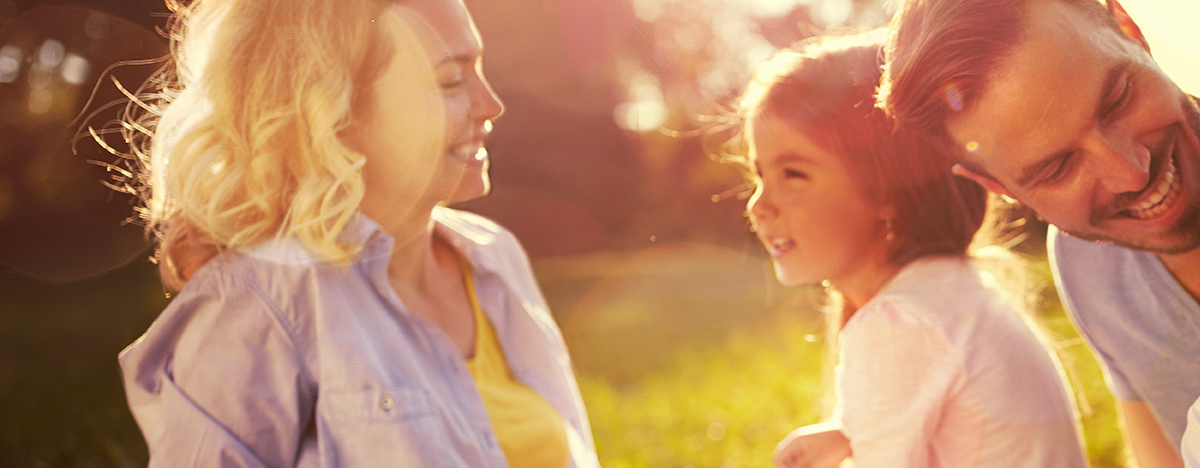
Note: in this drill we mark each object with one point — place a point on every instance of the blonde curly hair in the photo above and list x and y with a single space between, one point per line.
238 139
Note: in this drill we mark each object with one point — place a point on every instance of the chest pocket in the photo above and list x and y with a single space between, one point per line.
394 426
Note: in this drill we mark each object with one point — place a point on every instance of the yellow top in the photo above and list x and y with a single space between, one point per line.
530 431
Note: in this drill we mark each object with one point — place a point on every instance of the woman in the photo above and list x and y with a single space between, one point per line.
332 311
936 367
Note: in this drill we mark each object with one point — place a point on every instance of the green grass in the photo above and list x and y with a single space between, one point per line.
666 388
721 407
687 356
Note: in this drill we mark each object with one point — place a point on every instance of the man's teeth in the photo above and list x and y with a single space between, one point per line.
1161 198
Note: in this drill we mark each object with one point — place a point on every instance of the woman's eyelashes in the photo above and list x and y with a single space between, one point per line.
452 84
794 174
451 78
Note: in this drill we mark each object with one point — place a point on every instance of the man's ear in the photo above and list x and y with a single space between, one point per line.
982 179
1130 28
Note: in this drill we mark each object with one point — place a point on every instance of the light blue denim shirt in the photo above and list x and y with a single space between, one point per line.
270 359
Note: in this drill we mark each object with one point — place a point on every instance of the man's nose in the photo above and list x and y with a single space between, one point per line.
1122 163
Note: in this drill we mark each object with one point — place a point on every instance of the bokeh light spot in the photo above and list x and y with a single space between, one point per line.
75 69
972 146
645 110
716 431
51 53
10 63
835 11
96 26
40 100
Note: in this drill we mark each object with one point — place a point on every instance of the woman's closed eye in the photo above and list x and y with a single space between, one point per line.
452 84
795 174
450 77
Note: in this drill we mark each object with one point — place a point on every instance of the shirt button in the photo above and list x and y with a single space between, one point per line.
387 402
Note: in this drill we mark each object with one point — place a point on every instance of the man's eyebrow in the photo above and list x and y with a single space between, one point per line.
1113 74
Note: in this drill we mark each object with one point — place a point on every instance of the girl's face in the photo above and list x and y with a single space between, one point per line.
422 123
811 213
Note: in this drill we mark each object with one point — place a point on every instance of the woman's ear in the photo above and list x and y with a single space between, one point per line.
983 180
1130 28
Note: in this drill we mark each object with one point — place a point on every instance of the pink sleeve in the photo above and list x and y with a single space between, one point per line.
895 374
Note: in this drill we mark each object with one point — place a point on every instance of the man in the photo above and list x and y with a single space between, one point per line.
1058 104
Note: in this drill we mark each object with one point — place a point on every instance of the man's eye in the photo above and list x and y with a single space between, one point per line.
1119 105
1060 170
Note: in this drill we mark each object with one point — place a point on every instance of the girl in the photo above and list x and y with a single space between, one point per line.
936 367
332 311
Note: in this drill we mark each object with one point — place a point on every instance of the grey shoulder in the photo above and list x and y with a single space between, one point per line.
1069 253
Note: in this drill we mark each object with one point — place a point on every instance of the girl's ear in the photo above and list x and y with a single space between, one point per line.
887 210
1130 28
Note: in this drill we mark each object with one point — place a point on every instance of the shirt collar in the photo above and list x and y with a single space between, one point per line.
463 234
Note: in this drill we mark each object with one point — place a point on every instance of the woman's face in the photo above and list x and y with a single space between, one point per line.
809 211
422 123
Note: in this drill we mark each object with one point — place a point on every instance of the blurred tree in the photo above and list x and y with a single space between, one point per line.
58 221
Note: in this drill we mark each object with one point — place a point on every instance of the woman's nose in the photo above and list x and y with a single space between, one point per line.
487 105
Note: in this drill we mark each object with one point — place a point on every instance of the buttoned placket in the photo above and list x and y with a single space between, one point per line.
488 434
445 354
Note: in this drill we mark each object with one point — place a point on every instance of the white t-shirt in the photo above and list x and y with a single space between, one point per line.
1191 438
940 370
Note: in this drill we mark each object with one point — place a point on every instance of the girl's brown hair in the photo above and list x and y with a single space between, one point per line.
826 87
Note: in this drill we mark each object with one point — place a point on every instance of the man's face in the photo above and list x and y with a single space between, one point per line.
1080 125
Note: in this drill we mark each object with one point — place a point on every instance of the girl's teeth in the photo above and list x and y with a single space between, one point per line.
781 245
